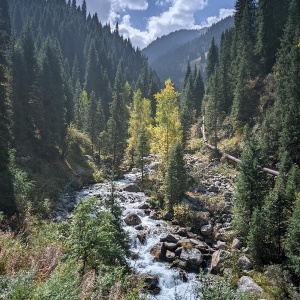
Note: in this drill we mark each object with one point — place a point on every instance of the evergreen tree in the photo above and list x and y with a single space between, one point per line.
175 179
212 58
7 198
198 92
52 91
288 87
117 123
251 187
271 17
293 238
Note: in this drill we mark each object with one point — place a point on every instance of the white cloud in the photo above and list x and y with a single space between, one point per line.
108 10
179 15
223 13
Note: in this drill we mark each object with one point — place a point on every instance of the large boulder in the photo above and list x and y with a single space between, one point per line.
247 285
193 258
151 284
159 251
217 261
133 188
236 244
244 263
169 238
142 236
132 220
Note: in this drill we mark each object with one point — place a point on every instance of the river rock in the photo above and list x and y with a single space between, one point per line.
132 220
171 246
181 231
170 256
207 229
247 285
159 251
244 263
217 261
236 244
142 236
144 206
193 257
133 188
169 238
151 284
221 245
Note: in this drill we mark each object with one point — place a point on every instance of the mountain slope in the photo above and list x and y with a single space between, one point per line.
171 41
173 63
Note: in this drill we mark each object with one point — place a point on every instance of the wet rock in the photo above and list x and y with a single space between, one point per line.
132 220
142 236
170 256
167 216
193 257
236 244
183 276
217 261
151 284
179 264
147 211
169 238
244 263
181 231
159 251
178 251
207 229
133 188
247 285
139 227
171 246
154 215
144 206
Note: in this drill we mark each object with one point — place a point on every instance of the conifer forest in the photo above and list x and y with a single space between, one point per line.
118 185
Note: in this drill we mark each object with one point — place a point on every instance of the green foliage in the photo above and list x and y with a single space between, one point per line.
251 187
293 238
94 236
213 288
176 177
63 283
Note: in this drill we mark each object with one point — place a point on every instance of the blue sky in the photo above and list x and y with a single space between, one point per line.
145 20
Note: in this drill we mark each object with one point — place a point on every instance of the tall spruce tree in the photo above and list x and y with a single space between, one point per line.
176 177
251 187
212 58
117 123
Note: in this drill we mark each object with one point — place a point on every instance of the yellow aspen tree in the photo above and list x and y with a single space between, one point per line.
140 118
167 130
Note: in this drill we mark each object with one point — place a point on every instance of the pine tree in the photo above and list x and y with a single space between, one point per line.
212 58
198 92
176 177
117 123
271 17
7 198
251 187
292 244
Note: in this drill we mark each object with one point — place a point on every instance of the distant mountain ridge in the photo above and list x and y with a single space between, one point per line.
175 56
171 41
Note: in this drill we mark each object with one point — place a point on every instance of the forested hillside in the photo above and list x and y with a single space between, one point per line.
61 66
173 63
251 105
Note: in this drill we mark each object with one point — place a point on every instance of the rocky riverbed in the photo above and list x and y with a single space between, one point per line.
167 254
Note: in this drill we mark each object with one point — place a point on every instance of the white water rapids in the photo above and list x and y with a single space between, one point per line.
172 287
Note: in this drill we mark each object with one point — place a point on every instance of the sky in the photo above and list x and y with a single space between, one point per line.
145 20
